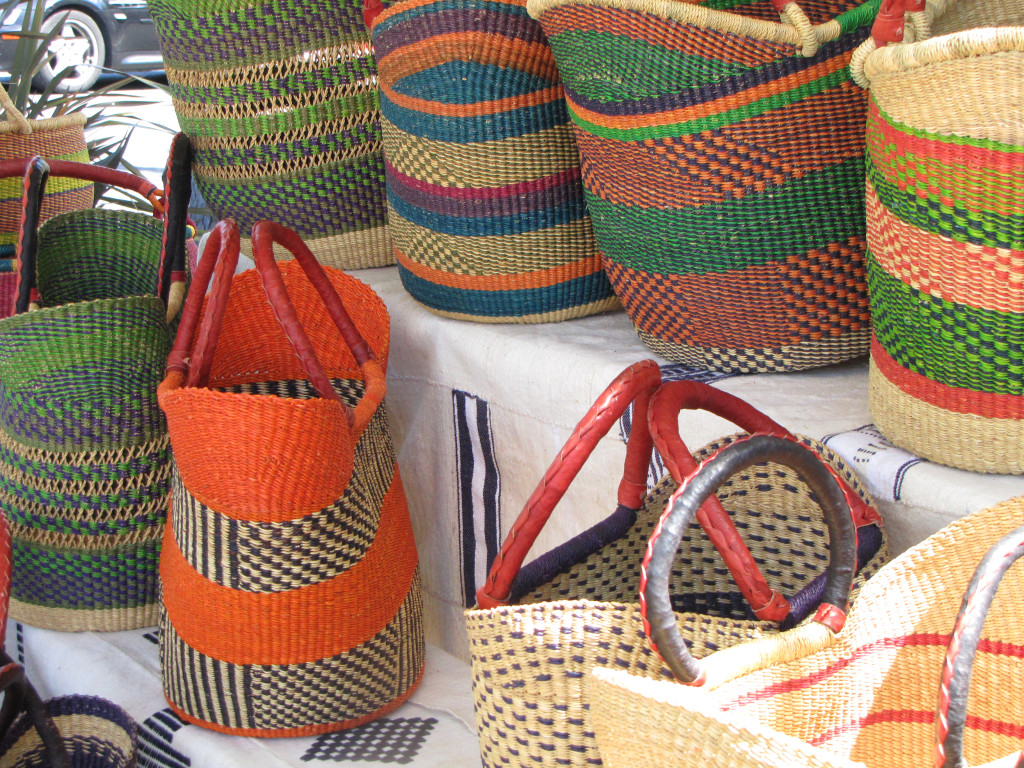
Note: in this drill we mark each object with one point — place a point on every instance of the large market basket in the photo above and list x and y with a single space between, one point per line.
291 583
945 214
723 162
538 629
908 683
485 201
84 454
280 102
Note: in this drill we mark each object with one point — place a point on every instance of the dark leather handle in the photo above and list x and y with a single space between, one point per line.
656 604
634 385
34 172
955 683
178 186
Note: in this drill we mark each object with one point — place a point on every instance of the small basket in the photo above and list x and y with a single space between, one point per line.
485 202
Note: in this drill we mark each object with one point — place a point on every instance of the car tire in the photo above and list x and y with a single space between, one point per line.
84 47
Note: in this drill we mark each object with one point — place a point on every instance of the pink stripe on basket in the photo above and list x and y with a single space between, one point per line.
925 717
488 193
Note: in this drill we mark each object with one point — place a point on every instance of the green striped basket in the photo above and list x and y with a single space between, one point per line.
945 214
280 102
723 161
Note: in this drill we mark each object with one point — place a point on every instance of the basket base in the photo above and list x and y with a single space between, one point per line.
363 249
962 440
76 620
796 357
609 304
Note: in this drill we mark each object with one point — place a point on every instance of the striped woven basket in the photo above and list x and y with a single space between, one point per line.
723 162
84 455
280 102
54 138
945 219
537 630
909 683
485 201
290 576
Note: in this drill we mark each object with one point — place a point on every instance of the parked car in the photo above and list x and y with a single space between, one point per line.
114 34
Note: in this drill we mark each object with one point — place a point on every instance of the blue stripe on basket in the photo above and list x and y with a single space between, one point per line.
468 82
528 301
470 130
569 210
439 8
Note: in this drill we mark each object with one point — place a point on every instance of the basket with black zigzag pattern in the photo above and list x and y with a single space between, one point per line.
291 583
84 454
485 201
722 156
945 139
280 102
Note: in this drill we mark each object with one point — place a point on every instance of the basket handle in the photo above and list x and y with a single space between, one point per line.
634 385
655 602
889 27
675 396
955 682
793 14
178 185
21 124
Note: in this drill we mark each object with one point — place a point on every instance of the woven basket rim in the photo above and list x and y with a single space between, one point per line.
956 46
722 21
44 124
83 307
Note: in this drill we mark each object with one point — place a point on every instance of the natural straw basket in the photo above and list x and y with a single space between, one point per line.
290 576
723 163
537 630
52 138
945 209
84 455
485 202
280 102
882 696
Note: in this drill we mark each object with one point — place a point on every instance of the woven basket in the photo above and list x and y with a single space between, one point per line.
290 575
84 456
537 631
723 162
280 102
53 138
485 202
93 732
946 238
870 699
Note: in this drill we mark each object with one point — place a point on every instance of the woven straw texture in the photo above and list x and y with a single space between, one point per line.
530 658
84 457
724 173
60 138
946 239
280 102
290 575
870 699
485 200
95 733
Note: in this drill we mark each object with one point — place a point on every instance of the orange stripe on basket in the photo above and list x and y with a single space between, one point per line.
965 273
406 5
480 47
718 106
988 405
305 624
519 281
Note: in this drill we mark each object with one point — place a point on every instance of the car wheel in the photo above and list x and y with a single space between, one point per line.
79 45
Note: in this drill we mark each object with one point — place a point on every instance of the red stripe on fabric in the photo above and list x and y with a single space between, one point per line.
488 193
989 405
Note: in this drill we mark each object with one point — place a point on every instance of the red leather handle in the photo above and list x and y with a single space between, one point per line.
674 396
888 24
634 385
222 249
95 173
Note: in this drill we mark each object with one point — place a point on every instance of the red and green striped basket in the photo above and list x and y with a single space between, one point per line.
485 200
723 161
945 214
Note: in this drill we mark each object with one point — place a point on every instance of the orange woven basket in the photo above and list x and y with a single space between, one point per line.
289 561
